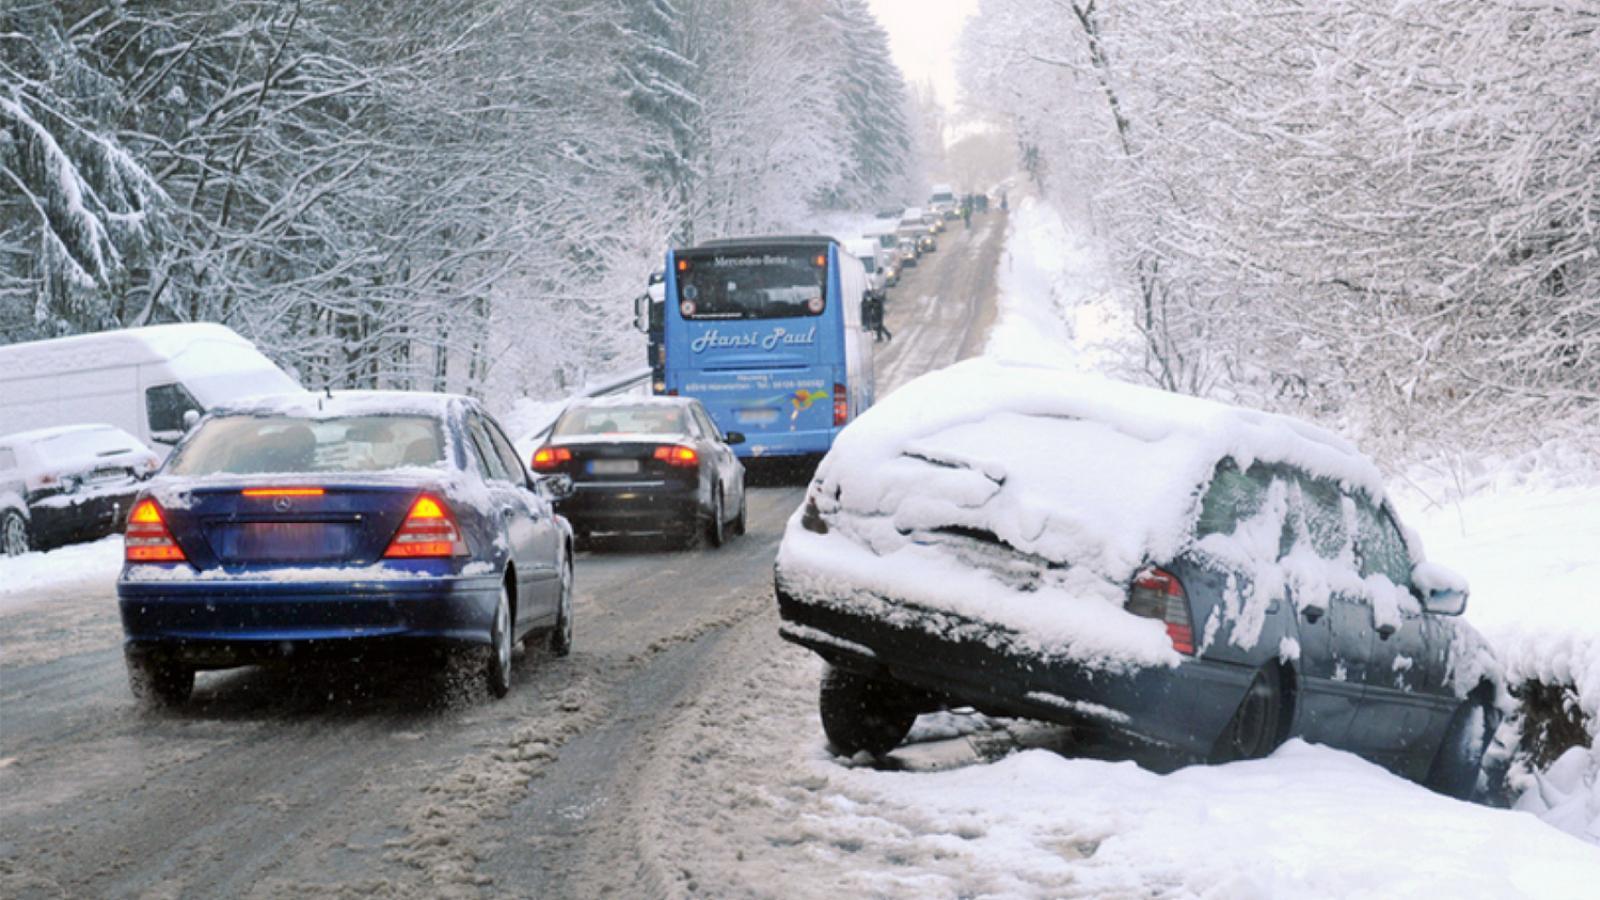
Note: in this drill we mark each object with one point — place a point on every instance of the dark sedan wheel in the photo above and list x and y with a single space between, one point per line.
1459 760
159 682
14 539
716 527
498 670
862 713
561 635
740 521
1253 731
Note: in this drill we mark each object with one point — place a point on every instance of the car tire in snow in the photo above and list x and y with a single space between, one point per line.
1256 727
740 520
158 682
497 667
863 713
561 635
1459 760
14 538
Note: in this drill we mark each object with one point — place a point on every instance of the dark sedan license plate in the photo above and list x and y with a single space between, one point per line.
614 467
288 541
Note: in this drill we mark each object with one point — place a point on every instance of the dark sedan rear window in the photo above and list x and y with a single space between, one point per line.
642 419
246 445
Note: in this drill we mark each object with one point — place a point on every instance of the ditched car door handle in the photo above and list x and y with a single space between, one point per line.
1385 631
1312 614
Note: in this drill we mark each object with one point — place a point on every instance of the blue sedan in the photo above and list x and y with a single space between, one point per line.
308 526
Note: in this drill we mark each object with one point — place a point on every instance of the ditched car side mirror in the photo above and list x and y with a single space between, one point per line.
733 437
553 487
1442 591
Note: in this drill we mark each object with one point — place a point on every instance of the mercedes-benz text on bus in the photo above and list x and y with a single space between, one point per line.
767 334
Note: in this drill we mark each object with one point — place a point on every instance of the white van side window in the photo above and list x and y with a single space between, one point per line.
8 459
165 405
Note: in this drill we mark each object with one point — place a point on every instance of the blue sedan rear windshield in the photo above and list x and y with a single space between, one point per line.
247 445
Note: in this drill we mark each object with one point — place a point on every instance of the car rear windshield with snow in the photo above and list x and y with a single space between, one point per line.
245 445
753 284
642 419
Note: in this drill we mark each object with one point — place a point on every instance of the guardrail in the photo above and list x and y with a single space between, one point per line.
620 383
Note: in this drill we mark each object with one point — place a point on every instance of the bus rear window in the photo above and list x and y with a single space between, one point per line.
752 284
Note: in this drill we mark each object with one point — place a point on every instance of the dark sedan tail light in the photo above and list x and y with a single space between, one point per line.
841 405
147 538
678 455
548 459
429 531
1157 594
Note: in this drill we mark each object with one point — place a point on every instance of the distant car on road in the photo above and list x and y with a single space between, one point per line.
927 244
349 525
646 464
68 484
1217 580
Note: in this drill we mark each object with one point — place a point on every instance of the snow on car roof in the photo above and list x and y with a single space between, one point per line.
126 346
45 434
1073 467
1085 479
345 403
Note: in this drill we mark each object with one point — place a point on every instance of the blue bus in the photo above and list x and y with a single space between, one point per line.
767 333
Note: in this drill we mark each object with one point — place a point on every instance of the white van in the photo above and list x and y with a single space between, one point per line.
142 380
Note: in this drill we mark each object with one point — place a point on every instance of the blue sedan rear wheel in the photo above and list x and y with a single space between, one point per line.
159 682
498 672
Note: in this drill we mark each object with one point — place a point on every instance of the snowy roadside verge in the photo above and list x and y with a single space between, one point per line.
1528 548
741 795
80 568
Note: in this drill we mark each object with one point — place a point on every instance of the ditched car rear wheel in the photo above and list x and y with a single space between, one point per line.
1253 732
159 682
863 713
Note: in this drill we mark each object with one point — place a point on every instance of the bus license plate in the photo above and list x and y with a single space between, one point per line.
614 467
757 416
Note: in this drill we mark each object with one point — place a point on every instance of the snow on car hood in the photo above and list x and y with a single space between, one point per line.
1074 482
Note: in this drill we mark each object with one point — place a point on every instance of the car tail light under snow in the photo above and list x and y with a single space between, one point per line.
841 405
148 538
548 459
678 455
1157 594
429 531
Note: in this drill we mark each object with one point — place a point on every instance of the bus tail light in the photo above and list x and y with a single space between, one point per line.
841 405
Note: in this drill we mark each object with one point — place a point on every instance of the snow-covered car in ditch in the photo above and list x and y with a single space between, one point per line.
1036 543
67 484
357 524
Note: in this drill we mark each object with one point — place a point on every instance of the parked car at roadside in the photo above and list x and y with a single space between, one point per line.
1217 580
68 484
646 465
355 524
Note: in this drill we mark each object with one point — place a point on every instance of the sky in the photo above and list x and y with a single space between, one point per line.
922 39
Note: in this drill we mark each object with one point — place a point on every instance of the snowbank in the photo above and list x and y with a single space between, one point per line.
1306 822
36 577
1530 549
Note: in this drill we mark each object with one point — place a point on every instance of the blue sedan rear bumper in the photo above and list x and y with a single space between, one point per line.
220 623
